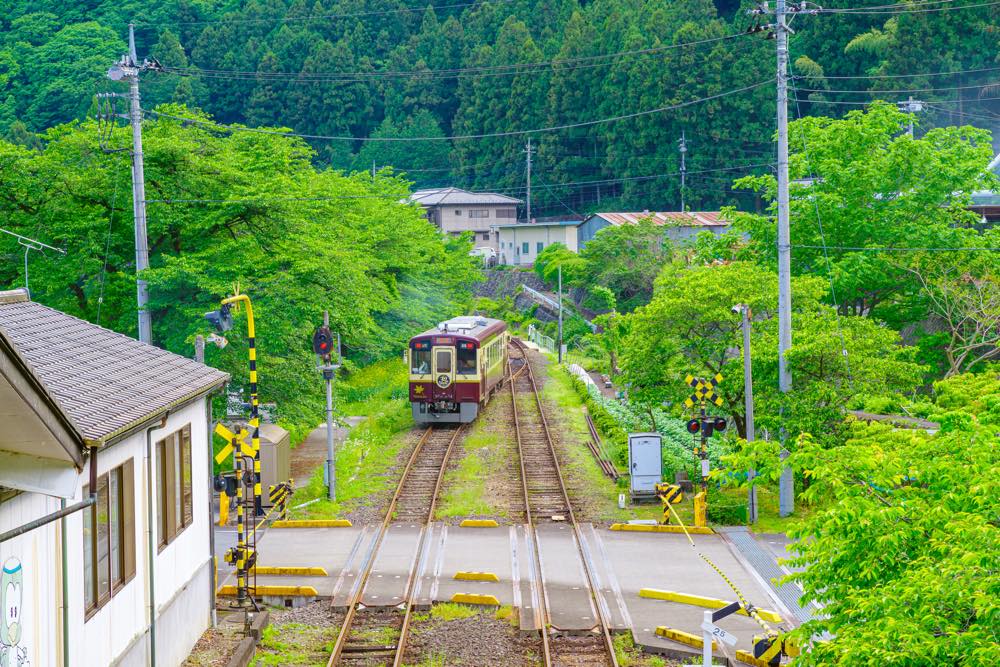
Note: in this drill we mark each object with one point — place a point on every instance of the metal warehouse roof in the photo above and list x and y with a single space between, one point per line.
679 218
105 383
454 196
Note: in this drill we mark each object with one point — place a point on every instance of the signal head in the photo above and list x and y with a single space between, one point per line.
720 424
693 425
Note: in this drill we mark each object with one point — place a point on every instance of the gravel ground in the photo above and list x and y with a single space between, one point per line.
303 635
215 647
481 640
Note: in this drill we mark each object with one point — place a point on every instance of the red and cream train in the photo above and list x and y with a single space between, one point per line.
456 368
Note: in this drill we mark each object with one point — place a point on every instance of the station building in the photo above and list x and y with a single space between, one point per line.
105 473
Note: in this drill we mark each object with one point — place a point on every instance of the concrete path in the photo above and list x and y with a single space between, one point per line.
311 452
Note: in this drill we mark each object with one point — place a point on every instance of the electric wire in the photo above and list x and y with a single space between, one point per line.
901 10
320 17
485 135
513 69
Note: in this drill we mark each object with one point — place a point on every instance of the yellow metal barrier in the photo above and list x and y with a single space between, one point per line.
289 571
276 591
700 510
682 637
478 523
476 576
312 523
474 598
701 601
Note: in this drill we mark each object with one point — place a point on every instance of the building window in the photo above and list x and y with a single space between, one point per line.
458 212
486 236
173 487
540 246
109 537
507 213
479 213
524 248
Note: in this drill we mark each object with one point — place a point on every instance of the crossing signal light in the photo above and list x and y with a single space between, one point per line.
693 426
221 319
323 341
720 424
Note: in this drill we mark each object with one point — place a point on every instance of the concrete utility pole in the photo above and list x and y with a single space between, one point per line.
528 150
560 315
911 106
786 491
129 68
682 146
751 435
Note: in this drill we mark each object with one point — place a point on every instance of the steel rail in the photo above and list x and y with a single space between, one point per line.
355 600
602 620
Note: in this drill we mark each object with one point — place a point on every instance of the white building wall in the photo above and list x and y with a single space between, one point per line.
118 633
512 240
39 554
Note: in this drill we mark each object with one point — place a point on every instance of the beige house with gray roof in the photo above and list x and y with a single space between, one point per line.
105 527
455 211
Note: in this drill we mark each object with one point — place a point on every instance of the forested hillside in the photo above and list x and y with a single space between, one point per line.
351 69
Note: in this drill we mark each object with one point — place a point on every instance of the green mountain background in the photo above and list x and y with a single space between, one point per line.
387 68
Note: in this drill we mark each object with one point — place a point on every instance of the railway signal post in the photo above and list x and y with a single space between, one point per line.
704 391
324 345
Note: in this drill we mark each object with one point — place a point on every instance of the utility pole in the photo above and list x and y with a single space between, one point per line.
786 494
373 169
751 435
911 106
528 150
129 68
560 315
683 149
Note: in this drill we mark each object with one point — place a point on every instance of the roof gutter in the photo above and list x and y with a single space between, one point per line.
59 514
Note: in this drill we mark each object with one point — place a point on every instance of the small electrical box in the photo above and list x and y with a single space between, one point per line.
645 464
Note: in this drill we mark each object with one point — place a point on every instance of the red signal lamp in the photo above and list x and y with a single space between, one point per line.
693 426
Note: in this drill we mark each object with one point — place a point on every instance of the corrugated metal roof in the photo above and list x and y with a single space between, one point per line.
105 383
454 196
680 218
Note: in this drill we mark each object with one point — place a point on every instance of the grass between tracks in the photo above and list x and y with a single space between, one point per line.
588 485
295 644
378 393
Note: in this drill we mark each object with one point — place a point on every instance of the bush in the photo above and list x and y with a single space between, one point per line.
724 509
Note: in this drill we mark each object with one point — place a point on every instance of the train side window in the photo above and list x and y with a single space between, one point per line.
466 361
420 362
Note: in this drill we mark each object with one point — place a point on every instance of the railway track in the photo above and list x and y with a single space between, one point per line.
546 501
377 637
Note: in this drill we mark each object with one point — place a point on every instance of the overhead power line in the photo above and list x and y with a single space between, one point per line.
457 72
901 90
321 17
484 135
899 248
909 75
901 9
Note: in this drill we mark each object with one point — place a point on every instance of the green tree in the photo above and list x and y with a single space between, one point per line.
626 259
872 187
427 159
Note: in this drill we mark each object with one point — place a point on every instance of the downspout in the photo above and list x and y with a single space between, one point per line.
65 587
150 540
211 512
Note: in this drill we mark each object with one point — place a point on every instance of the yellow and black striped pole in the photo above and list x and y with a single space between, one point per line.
254 403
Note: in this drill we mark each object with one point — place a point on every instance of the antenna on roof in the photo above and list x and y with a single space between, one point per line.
29 245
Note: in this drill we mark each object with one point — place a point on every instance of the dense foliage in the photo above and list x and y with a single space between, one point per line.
356 69
226 213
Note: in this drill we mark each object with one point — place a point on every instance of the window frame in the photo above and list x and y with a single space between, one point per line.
174 494
525 248
479 213
539 247
122 507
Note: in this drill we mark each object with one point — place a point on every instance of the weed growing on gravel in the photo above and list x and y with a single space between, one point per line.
506 613
630 655
450 611
466 484
292 644
436 660
384 635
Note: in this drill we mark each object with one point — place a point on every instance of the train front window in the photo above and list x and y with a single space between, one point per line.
444 361
420 362
467 361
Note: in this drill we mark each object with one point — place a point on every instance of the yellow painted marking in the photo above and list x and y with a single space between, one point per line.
277 591
643 528
478 523
747 657
312 523
473 598
476 576
223 509
289 571
682 637
701 601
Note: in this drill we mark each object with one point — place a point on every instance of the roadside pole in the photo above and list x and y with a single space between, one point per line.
560 316
751 435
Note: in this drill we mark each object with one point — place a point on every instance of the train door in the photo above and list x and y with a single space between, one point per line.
444 366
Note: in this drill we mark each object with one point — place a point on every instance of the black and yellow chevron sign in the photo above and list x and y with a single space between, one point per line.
704 390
